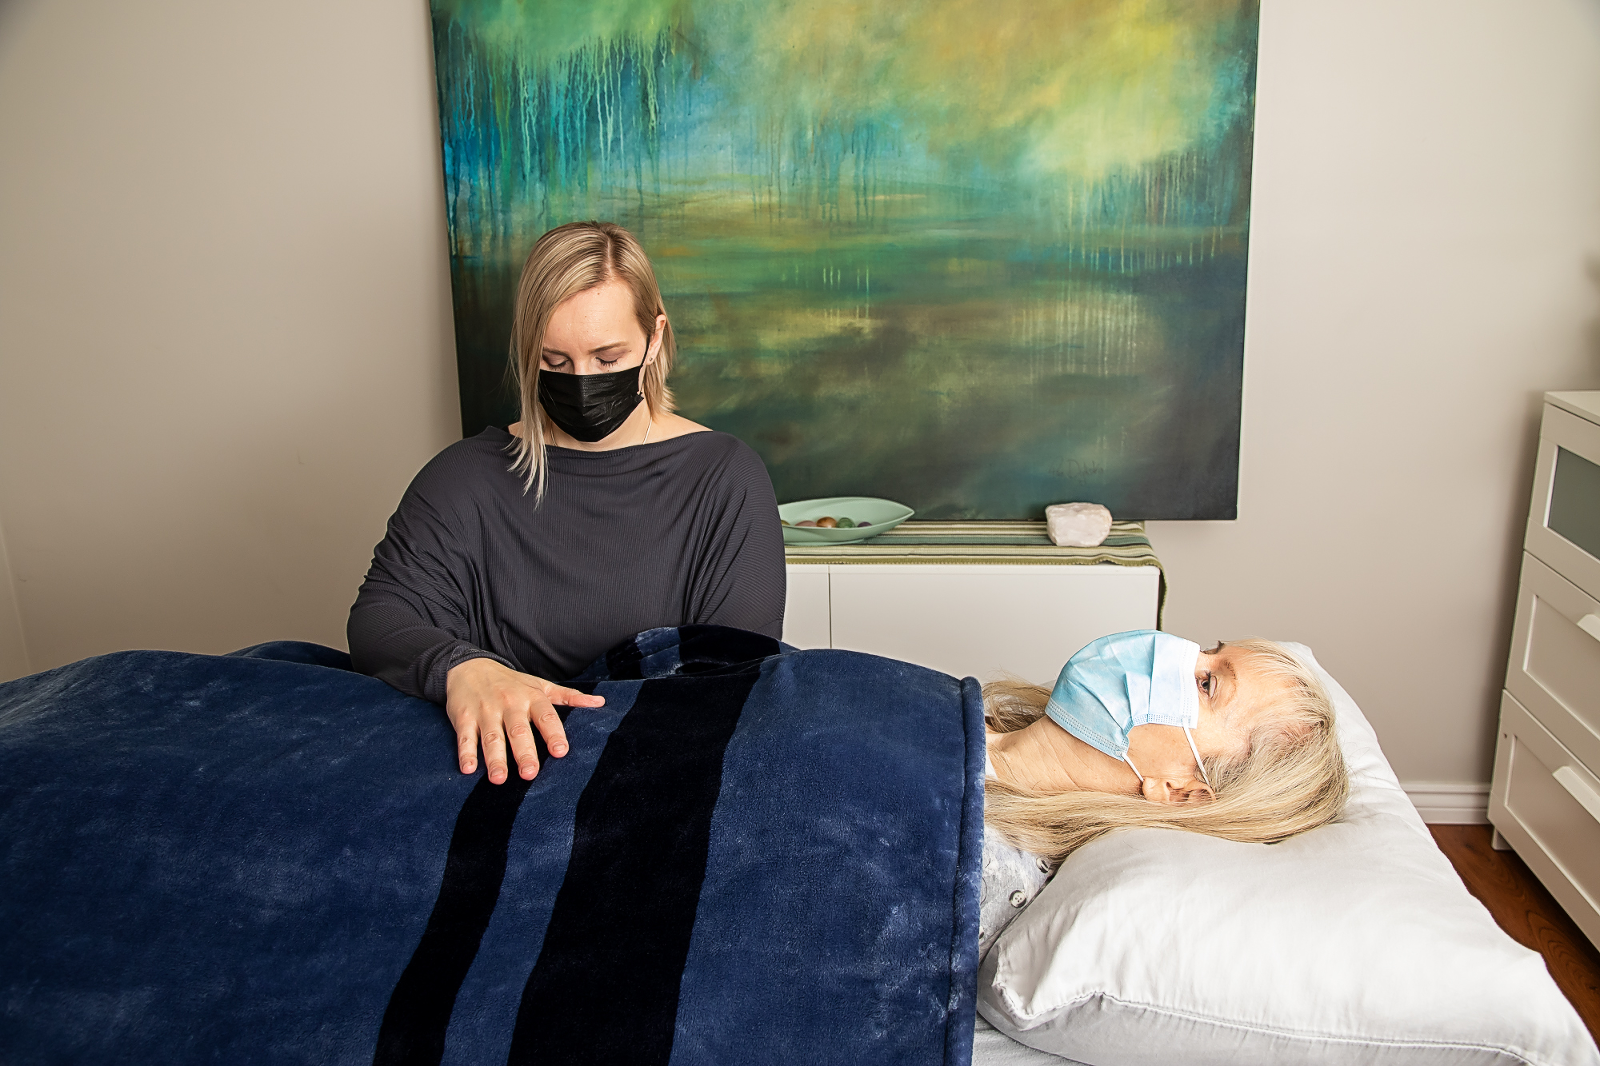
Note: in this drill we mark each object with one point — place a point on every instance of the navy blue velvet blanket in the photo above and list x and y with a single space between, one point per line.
751 855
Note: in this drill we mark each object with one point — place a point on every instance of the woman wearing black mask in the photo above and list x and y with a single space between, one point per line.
518 556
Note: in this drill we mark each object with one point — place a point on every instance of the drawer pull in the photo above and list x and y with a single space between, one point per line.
1590 624
1579 790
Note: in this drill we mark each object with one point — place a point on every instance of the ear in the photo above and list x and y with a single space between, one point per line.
654 348
1173 791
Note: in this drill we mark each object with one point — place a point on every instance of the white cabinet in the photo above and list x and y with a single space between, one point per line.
1544 800
977 619
805 612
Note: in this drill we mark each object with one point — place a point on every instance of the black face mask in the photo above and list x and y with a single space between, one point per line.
589 407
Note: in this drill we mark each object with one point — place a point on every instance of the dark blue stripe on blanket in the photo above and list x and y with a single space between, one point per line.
418 1014
605 987
536 863
421 1008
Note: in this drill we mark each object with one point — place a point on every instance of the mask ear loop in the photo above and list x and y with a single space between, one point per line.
1197 761
1135 769
650 422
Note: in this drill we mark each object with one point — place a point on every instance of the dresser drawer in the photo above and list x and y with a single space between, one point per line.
1547 804
1564 519
1555 658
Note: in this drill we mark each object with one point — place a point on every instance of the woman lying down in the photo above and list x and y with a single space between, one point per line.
1146 729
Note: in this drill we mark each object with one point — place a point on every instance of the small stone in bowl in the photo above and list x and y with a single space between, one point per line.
826 522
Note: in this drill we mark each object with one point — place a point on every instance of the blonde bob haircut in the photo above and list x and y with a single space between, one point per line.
570 259
1291 779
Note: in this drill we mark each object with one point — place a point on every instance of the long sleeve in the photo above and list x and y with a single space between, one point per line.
743 582
410 623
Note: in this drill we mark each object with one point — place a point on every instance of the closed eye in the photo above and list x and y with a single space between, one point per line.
562 363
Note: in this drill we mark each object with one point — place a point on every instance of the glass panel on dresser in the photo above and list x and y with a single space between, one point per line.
1575 501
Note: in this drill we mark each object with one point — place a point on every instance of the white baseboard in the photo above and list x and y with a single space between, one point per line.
1445 804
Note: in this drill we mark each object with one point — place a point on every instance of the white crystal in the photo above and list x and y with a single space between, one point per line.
1077 525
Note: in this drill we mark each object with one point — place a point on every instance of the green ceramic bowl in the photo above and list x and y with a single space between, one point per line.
881 516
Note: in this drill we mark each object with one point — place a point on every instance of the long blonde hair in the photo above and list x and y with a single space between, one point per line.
570 259
1291 779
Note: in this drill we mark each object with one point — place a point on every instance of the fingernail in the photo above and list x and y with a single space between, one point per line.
559 750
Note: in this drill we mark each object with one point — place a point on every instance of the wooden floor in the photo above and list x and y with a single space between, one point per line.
1505 885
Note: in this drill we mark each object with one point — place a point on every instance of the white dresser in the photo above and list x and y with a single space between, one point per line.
1023 612
1545 797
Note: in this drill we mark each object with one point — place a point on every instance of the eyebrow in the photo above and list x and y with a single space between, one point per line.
592 351
1225 698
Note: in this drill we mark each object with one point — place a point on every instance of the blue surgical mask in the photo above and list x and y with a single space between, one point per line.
1128 679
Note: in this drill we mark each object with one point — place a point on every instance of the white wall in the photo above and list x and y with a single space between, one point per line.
1425 262
225 347
224 313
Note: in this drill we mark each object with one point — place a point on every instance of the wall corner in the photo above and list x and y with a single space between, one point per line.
14 662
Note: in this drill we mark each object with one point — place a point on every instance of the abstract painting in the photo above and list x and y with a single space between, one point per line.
977 256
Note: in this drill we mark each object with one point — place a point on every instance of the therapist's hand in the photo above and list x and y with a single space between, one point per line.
490 704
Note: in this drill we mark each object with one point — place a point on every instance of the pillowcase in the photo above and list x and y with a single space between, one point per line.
1353 943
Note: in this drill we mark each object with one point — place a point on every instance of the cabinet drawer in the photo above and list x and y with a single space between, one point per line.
1555 658
1564 519
1547 804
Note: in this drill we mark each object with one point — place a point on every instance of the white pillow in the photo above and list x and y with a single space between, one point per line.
1353 943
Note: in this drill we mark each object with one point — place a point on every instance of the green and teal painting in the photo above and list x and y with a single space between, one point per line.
977 256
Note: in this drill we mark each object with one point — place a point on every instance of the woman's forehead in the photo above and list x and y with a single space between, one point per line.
1255 689
606 310
610 297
